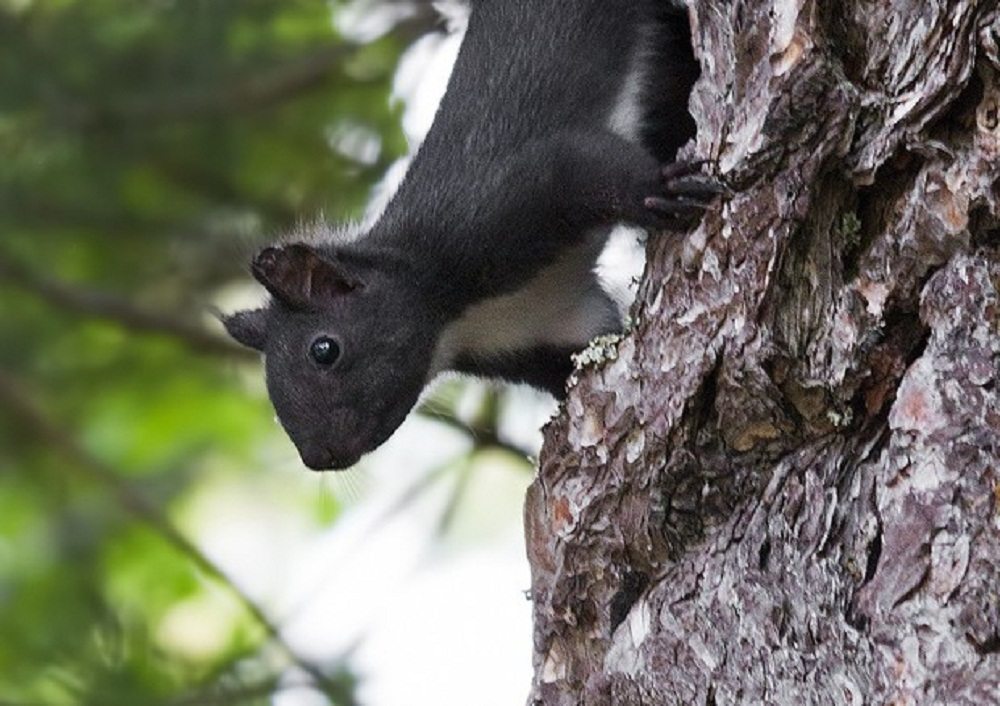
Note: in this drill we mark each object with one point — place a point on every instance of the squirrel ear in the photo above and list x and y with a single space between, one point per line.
298 275
248 328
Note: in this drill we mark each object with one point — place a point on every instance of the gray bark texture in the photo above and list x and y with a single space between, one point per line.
782 485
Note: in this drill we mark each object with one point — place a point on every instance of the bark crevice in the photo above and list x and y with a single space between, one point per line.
784 488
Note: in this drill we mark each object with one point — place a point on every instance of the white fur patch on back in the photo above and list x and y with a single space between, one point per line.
626 118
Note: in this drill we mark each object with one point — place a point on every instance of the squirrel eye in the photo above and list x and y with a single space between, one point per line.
325 351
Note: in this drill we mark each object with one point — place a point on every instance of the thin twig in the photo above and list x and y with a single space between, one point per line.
482 436
223 697
236 695
98 304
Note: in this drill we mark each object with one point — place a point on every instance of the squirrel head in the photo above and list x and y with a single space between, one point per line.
347 348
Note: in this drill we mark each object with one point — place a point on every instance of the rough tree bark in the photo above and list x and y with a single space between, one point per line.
782 486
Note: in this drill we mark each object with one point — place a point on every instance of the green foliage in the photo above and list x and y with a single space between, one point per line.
148 148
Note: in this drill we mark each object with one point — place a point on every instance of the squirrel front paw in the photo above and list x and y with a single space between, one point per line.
686 192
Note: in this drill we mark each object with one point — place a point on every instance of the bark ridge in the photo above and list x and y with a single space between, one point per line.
782 486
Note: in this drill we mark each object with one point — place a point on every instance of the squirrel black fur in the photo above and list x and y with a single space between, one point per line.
561 119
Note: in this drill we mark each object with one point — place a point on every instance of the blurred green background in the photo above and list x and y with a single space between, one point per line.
147 148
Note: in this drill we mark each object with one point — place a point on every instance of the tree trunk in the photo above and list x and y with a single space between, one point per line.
782 486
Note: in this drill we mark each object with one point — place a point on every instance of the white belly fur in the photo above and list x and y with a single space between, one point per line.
563 306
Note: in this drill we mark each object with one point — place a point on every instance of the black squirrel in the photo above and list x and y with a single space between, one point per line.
556 124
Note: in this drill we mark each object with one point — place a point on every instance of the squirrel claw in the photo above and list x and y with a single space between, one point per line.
685 194
676 207
697 187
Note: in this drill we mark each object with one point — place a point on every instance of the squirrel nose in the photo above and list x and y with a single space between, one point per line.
315 457
319 458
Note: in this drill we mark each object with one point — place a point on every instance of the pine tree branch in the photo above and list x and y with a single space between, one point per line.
483 435
258 88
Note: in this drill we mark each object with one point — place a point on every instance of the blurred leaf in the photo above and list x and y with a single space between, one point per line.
148 147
